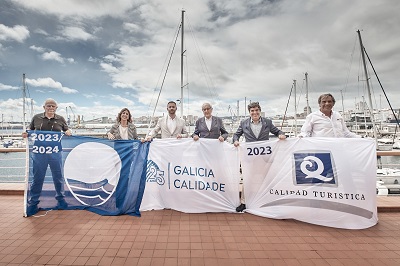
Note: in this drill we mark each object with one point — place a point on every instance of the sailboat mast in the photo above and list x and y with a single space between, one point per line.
182 52
368 88
23 103
341 94
295 108
308 104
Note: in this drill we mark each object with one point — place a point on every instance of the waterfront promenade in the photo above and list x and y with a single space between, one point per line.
169 237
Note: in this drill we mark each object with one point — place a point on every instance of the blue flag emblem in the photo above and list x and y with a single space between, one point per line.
92 183
73 172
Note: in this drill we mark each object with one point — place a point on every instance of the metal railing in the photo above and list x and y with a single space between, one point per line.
13 169
12 165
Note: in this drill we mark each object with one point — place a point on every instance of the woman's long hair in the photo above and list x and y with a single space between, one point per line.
120 113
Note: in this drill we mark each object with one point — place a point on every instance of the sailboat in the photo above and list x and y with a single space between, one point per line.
374 126
387 178
181 28
184 84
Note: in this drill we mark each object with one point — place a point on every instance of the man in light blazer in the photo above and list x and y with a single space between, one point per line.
254 128
170 125
209 126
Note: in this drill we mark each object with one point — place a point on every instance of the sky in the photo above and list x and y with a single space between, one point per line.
97 57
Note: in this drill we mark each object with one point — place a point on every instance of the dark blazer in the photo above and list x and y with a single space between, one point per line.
217 128
245 129
132 134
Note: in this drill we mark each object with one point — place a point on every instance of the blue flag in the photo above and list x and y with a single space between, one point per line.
76 172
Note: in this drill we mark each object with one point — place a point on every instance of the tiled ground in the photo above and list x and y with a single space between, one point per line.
172 238
385 203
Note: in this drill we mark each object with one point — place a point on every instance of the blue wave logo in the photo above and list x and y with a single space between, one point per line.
92 171
93 194
314 168
154 174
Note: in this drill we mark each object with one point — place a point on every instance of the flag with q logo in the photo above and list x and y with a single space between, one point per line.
314 168
76 172
324 181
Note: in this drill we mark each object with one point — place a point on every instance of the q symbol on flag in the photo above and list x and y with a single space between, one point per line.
308 161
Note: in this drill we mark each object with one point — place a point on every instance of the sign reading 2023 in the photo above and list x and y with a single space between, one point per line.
259 151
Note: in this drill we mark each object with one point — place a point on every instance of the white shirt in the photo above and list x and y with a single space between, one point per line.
171 124
319 125
208 122
123 131
256 127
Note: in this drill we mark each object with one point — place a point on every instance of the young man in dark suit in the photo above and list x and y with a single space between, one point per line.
255 128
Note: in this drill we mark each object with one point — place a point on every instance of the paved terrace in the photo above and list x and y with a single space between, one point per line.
169 237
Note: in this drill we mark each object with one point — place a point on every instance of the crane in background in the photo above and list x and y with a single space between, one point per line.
69 116
233 114
72 111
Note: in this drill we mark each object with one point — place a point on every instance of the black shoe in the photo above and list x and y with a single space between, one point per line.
241 207
62 205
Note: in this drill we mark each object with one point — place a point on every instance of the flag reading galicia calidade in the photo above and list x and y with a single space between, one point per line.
192 176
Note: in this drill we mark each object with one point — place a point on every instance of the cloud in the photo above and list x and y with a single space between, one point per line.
76 33
122 85
4 87
131 27
47 54
90 95
37 49
17 33
122 100
252 49
41 31
56 57
49 83
11 104
109 68
80 9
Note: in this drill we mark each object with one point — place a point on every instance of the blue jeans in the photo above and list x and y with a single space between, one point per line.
40 164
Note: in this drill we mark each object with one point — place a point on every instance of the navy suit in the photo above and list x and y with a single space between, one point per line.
217 128
266 128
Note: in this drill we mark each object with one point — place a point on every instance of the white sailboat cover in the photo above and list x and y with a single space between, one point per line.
323 181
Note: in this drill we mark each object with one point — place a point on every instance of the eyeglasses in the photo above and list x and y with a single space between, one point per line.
206 109
50 106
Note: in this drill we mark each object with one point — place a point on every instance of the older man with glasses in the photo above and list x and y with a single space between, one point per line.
209 126
47 121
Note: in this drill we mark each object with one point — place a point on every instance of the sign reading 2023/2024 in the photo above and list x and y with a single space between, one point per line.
46 143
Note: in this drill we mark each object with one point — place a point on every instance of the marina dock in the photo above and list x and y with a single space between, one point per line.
168 237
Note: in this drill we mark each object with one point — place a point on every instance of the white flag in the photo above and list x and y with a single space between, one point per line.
324 181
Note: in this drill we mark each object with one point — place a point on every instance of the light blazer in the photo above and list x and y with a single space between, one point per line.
165 133
245 129
132 134
217 128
